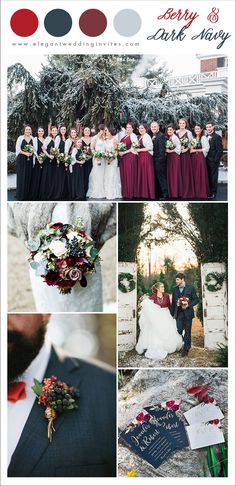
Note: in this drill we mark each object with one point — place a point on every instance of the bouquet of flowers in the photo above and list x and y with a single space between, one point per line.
170 145
62 255
183 302
135 146
41 158
65 159
88 152
82 158
184 142
121 147
57 397
99 156
29 149
55 152
195 143
109 157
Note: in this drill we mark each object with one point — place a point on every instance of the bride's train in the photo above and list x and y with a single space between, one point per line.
158 334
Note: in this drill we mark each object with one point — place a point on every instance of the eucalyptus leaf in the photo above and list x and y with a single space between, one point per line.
34 265
34 245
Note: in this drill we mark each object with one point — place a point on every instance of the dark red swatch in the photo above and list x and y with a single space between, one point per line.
93 22
24 22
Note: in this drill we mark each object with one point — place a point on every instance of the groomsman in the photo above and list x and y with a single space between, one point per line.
84 439
213 158
159 156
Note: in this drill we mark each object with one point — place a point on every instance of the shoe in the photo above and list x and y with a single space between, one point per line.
212 197
184 352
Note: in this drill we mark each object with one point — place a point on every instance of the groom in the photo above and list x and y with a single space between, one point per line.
183 311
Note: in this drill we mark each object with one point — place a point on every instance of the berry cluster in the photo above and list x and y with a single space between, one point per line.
57 395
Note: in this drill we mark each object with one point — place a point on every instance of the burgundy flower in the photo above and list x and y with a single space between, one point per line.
143 417
175 408
52 278
57 225
170 404
66 284
61 263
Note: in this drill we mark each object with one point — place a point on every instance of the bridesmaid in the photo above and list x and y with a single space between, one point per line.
47 187
69 145
128 164
38 167
146 175
86 146
199 150
61 189
78 176
24 165
187 177
173 164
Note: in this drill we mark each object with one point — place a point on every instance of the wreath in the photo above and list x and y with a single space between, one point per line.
126 287
218 278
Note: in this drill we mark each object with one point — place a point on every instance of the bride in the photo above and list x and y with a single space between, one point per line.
158 334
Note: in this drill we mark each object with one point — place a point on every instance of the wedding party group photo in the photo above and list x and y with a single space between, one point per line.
112 127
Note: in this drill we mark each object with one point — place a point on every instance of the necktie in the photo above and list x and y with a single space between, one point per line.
16 391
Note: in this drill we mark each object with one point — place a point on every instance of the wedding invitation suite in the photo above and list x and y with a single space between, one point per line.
202 435
172 424
203 413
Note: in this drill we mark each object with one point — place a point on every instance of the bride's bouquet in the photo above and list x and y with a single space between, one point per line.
183 302
62 255
99 156
170 145
109 156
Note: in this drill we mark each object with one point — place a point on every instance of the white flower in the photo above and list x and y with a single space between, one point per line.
72 234
39 257
58 248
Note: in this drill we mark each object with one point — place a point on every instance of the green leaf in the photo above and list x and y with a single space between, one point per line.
93 253
70 407
34 265
205 470
212 462
34 245
37 387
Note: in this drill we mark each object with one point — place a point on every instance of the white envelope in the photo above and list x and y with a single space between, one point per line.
204 412
202 435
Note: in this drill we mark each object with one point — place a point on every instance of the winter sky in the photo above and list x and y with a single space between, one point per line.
177 64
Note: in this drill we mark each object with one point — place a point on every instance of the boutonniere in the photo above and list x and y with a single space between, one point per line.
57 397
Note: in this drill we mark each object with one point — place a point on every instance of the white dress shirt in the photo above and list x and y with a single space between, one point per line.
18 412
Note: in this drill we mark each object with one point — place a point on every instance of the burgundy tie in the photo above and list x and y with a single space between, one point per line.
16 391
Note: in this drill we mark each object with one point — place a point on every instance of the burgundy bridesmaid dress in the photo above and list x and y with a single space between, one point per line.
128 171
146 175
174 175
201 183
187 176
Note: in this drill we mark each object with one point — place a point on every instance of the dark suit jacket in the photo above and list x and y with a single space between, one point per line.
159 148
84 441
216 148
190 292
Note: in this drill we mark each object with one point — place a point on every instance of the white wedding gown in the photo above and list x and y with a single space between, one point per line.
158 333
112 184
96 188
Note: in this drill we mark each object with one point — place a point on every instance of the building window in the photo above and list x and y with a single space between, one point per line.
221 62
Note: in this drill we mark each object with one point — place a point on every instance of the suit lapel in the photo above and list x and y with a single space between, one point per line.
34 442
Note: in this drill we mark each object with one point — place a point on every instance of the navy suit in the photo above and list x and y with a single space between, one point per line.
213 160
84 441
184 316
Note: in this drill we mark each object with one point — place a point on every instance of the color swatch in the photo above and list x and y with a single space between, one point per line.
93 22
24 22
58 22
127 22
